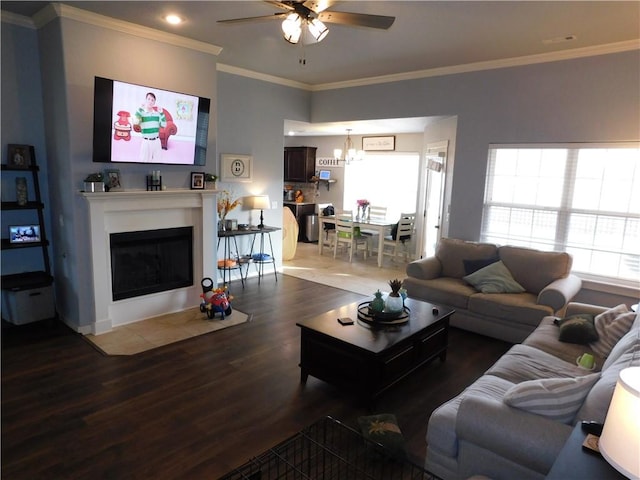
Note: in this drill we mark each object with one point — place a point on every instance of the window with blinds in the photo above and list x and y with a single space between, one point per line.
582 198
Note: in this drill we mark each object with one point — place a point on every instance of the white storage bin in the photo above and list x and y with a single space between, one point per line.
29 305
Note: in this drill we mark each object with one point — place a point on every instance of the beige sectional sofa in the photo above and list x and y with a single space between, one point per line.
545 277
480 432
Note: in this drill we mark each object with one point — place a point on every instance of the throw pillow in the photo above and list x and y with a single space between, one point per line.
494 278
555 398
577 329
471 266
611 327
384 430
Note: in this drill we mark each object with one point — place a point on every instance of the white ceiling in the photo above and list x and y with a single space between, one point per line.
426 35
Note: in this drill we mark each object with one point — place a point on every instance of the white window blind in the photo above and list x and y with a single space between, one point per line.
582 199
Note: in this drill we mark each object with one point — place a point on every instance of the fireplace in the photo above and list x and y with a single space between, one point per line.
151 261
138 211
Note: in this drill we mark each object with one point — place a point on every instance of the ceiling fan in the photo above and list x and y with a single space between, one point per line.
312 15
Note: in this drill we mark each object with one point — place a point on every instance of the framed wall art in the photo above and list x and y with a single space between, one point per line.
20 156
236 168
197 180
379 144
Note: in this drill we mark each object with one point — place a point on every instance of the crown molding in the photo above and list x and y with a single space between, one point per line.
243 72
571 54
54 10
606 49
15 19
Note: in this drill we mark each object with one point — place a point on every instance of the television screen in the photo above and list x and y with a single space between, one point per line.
24 233
139 124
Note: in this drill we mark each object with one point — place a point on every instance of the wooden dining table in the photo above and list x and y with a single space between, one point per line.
381 226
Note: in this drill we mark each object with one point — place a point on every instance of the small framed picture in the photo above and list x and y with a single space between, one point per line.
112 180
236 168
379 144
20 156
197 180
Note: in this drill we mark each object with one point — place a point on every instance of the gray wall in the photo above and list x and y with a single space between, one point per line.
588 99
592 99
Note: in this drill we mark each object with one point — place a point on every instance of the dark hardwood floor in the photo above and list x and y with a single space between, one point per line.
198 408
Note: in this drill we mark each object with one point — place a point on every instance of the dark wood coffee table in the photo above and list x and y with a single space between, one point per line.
369 359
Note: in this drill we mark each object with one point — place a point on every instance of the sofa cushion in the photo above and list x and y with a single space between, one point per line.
519 307
522 363
626 343
452 253
535 269
494 278
453 292
471 266
611 327
441 433
597 402
577 329
545 338
555 398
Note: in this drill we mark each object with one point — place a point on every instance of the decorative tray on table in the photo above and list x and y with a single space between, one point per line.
382 318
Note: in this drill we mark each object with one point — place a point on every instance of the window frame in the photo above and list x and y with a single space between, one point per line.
564 211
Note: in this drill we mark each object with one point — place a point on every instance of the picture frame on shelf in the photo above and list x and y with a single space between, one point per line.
197 180
379 144
236 168
20 156
112 180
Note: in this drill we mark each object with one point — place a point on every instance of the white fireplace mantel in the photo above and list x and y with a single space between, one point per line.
136 210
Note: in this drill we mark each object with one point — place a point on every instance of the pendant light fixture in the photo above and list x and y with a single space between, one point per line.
349 151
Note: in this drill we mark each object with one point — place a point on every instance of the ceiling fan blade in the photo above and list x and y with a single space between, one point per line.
357 19
287 5
318 6
273 16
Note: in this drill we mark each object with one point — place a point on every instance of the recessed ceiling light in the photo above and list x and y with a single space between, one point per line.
173 19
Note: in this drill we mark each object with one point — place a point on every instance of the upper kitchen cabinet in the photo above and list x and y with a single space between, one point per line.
299 164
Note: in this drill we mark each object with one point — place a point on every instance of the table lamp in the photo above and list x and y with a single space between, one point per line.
258 202
619 443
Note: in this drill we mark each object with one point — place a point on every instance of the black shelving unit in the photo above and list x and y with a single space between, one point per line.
28 296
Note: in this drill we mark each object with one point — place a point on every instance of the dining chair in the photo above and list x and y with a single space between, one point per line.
377 214
400 240
348 234
327 228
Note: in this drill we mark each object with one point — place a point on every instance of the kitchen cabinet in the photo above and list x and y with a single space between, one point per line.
299 164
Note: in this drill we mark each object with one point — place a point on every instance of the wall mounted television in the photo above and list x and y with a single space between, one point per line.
131 126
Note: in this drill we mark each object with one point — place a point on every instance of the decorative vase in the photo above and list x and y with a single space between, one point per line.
393 304
377 304
21 191
210 185
364 213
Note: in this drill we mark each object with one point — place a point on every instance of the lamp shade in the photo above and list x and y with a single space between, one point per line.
620 440
258 202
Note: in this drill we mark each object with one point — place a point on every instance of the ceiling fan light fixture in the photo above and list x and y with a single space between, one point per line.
318 29
291 28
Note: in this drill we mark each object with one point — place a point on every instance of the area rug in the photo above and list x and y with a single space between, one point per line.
358 276
158 331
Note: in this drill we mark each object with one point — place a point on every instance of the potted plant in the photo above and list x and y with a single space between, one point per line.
210 181
94 182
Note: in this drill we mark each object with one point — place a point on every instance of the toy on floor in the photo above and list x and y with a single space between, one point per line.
215 301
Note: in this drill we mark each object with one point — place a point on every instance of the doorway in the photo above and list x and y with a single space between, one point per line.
435 167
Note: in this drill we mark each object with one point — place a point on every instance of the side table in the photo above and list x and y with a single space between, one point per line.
574 462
